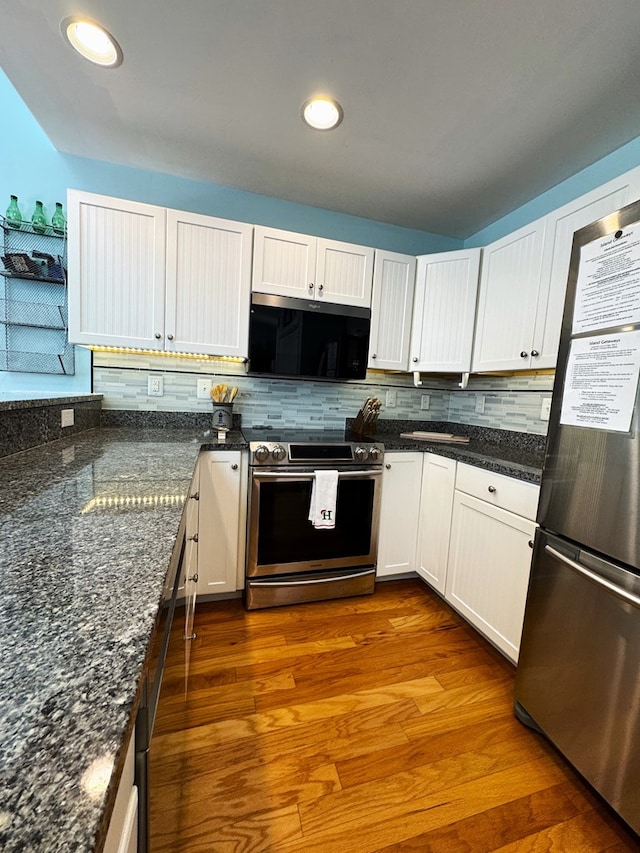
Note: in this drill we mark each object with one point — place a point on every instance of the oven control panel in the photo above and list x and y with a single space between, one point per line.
287 454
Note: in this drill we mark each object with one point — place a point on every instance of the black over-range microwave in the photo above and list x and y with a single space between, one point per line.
300 337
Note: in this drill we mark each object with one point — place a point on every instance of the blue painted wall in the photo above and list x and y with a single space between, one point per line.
622 160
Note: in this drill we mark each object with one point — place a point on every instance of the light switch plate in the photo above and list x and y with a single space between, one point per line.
479 404
545 408
392 396
67 417
204 389
425 401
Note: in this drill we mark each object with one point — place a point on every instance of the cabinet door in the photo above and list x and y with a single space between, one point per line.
561 225
392 302
508 299
444 311
284 263
436 507
208 284
488 571
222 521
399 510
116 271
344 273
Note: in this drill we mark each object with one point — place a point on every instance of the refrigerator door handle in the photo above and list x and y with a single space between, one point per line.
627 597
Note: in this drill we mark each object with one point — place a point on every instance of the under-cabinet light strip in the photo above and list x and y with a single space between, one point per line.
234 359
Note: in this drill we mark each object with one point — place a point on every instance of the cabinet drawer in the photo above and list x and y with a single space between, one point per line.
508 493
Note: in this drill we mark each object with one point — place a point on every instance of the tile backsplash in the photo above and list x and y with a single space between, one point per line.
504 402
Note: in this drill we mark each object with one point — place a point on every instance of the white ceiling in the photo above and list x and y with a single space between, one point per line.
456 111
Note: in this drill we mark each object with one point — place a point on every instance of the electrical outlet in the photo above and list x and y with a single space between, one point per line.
479 404
425 401
392 396
545 408
155 386
67 417
204 389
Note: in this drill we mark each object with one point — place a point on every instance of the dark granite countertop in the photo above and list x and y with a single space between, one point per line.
88 524
514 454
34 402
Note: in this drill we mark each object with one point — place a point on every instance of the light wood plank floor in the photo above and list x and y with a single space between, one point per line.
366 725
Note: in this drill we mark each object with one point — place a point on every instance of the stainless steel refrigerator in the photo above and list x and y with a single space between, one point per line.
578 678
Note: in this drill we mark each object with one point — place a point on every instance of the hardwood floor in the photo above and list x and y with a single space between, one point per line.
379 723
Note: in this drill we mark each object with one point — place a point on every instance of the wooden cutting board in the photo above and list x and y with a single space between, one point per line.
436 436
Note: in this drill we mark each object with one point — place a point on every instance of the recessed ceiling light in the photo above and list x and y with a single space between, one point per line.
92 41
322 113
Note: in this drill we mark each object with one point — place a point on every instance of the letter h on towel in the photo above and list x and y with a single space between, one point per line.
324 492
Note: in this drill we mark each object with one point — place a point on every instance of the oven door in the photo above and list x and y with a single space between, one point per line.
282 540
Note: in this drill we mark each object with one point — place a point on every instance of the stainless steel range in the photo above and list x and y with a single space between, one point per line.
288 559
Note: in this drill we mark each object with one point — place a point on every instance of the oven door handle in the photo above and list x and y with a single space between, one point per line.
307 475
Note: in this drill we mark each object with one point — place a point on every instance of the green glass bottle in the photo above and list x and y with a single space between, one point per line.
58 222
13 215
38 219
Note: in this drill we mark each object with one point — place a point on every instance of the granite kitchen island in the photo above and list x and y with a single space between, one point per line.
88 525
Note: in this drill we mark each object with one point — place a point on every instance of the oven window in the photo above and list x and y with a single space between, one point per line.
285 534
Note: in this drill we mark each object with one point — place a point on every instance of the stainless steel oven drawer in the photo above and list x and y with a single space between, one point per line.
297 589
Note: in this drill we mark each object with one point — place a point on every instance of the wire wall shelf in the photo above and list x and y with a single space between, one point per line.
33 301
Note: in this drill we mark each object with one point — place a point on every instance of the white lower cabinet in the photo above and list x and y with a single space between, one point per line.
399 512
490 553
122 835
221 521
436 507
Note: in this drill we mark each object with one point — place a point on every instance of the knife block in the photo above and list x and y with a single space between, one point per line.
362 428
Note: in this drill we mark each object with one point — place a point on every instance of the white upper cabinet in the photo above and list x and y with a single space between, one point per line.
392 303
444 311
561 225
208 284
290 264
509 295
116 271
524 278
145 277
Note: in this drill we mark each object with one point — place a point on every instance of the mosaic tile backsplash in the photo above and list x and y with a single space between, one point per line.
503 402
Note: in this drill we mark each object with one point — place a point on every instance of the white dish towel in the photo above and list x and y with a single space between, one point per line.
322 509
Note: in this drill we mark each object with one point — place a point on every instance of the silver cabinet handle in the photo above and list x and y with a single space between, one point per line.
374 355
535 353
414 359
320 287
598 580
157 336
491 489
234 467
524 354
530 543
388 466
195 496
169 337
310 285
